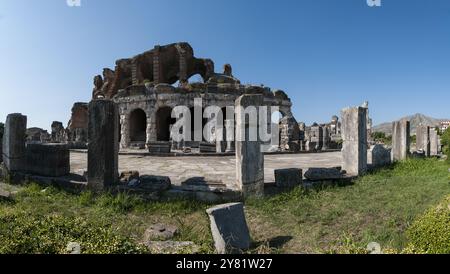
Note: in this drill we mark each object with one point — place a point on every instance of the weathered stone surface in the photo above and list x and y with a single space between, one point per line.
401 140
289 134
52 160
323 174
154 183
354 136
58 133
249 157
14 154
77 127
160 232
229 228
127 176
434 142
379 156
290 177
36 134
159 147
103 149
423 139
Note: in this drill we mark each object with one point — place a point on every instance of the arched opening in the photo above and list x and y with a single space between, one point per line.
138 126
164 121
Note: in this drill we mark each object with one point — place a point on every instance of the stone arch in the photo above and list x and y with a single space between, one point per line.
138 125
164 121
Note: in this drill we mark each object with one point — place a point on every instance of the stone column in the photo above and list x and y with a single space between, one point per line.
423 139
229 134
401 140
249 158
14 155
434 142
103 148
124 130
354 135
325 137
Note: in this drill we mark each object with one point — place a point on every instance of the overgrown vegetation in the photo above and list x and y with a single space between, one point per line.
384 206
445 141
431 232
381 137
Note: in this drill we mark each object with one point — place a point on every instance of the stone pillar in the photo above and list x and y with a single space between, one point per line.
434 142
423 139
325 138
401 140
249 158
14 153
229 134
124 129
157 66
103 148
354 136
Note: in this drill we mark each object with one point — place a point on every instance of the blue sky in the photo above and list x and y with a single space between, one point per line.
326 54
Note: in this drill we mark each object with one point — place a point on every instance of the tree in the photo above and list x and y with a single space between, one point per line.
2 128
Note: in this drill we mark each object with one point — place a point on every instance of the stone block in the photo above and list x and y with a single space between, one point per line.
379 156
354 136
14 137
401 140
51 160
103 146
423 139
323 174
290 177
154 183
249 157
159 147
229 228
434 142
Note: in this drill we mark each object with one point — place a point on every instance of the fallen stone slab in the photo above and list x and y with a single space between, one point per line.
323 174
160 232
203 184
229 228
287 178
153 183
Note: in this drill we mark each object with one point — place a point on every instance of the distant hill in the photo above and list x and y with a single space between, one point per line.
415 120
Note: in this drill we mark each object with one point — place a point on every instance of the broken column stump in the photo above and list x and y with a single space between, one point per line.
14 153
249 157
103 148
354 136
401 140
229 228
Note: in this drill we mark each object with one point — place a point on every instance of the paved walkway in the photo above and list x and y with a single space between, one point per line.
212 168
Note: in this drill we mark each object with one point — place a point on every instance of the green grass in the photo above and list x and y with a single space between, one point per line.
378 207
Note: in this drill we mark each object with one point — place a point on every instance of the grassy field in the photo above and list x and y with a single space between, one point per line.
377 207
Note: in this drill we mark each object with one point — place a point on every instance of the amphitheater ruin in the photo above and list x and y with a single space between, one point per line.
123 138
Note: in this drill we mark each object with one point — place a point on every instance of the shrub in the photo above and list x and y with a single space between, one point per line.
21 233
445 141
430 233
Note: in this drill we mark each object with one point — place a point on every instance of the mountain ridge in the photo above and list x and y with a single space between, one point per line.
415 120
